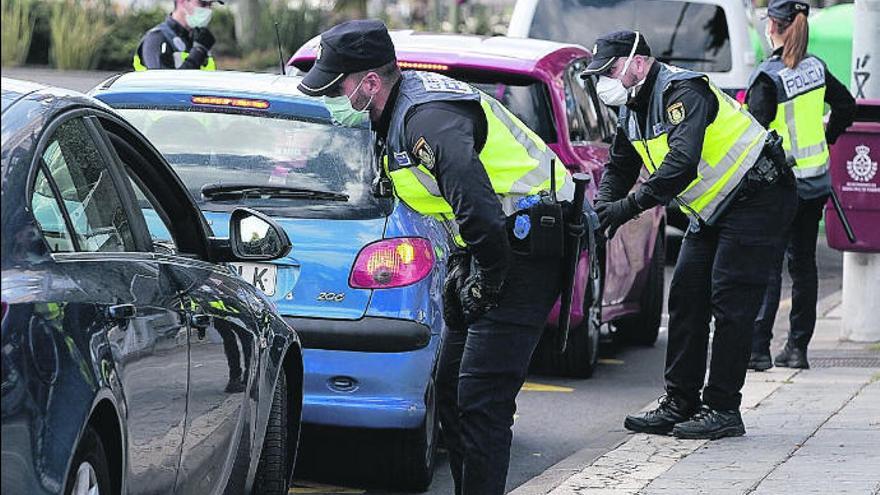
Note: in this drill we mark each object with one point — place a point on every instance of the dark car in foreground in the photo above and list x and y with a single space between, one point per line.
131 364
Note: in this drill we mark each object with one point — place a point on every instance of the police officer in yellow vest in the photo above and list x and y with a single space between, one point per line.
788 93
181 41
708 155
458 155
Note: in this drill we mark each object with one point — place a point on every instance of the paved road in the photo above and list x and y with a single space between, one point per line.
566 417
552 425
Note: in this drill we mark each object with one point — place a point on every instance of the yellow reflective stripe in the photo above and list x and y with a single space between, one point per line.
799 122
426 180
210 63
716 186
136 63
536 178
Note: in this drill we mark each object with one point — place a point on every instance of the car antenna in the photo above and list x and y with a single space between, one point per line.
280 51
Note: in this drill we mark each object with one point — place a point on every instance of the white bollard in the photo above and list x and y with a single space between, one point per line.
861 284
861 271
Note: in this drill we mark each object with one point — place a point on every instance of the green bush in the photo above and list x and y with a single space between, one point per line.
124 36
76 32
18 27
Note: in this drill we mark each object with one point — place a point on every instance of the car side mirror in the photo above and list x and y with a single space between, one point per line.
253 236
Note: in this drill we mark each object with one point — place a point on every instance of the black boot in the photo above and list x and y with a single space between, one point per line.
711 424
792 357
760 361
660 421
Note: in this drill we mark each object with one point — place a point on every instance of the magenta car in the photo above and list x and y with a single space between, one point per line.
538 81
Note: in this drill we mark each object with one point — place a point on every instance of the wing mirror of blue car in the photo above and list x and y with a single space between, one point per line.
253 236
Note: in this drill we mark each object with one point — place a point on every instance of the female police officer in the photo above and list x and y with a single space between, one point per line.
716 161
787 93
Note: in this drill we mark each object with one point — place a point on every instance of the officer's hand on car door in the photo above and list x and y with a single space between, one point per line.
479 296
613 214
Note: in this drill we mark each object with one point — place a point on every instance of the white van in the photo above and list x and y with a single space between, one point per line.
715 37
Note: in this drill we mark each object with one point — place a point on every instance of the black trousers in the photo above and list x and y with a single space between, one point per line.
481 371
721 273
799 247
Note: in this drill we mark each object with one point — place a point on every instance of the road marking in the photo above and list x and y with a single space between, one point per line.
309 487
538 387
610 361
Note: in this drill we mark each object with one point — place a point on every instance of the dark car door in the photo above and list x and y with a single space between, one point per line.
223 333
100 241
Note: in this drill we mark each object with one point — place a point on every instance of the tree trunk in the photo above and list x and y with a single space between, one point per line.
247 22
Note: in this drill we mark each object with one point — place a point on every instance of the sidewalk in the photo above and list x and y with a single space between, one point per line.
814 431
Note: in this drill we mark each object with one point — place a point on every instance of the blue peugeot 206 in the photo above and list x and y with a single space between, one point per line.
362 284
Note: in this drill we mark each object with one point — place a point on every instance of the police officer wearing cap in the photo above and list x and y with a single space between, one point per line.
458 155
788 93
181 41
709 156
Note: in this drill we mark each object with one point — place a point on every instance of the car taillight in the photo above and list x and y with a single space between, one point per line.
392 263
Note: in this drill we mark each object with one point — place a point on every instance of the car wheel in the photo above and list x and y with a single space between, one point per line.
582 352
89 473
272 476
643 328
412 452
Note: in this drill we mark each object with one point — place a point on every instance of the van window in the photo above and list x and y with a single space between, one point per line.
693 35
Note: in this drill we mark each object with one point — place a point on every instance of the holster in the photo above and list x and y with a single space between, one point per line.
545 232
771 167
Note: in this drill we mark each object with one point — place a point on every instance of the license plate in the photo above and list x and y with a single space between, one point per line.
260 275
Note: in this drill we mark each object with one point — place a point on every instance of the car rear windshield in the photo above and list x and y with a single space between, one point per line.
691 35
527 98
242 149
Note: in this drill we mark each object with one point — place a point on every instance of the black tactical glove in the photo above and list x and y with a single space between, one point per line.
202 37
616 213
479 296
458 268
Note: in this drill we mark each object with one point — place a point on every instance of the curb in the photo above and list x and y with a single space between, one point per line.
559 473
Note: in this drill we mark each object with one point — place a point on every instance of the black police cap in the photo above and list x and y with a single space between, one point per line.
611 46
787 9
349 47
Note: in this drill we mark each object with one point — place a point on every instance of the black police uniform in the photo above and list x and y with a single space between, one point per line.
722 268
155 50
482 365
799 244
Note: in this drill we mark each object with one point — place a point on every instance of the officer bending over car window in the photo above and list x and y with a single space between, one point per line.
729 174
181 41
459 156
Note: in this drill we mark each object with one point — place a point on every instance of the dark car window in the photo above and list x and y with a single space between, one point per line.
49 216
156 218
88 194
692 35
210 148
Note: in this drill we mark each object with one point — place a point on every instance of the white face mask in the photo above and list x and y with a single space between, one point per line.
769 38
199 17
611 90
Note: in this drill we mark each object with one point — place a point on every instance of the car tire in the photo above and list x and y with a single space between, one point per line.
642 329
272 476
89 468
412 452
582 352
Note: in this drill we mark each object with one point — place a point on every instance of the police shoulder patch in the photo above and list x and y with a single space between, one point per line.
675 113
423 153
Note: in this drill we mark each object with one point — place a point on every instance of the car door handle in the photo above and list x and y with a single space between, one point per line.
200 320
122 311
